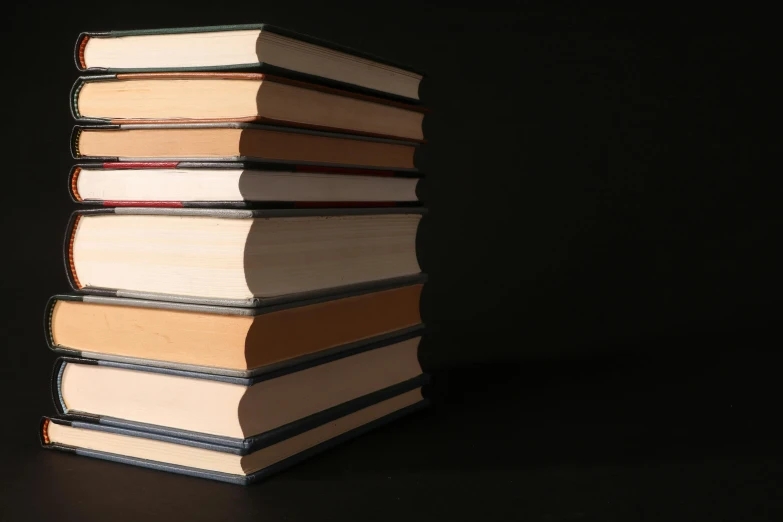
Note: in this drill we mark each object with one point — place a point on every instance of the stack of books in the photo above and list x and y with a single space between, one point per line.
246 292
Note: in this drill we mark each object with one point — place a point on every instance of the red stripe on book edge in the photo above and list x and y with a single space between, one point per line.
70 252
160 204
141 165
45 431
74 189
343 204
82 46
341 170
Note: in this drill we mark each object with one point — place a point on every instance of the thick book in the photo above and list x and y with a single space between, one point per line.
245 97
242 462
257 47
238 185
226 406
231 257
240 342
232 141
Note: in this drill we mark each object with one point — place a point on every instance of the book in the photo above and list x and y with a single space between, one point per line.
238 257
243 464
225 340
223 184
238 142
226 406
248 97
243 47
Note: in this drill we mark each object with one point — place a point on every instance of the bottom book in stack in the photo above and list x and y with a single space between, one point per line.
228 428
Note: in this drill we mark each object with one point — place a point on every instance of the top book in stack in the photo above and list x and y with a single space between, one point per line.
259 47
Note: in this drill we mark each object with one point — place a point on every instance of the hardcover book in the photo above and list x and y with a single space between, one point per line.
248 97
240 342
258 47
226 406
231 257
233 141
240 185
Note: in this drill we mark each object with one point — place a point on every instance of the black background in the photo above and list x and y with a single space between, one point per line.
604 251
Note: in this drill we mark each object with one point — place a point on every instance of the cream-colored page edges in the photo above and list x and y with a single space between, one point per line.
171 335
238 185
234 410
279 101
162 99
226 258
184 255
277 402
172 51
194 98
312 253
246 47
289 447
145 449
225 462
318 61
165 400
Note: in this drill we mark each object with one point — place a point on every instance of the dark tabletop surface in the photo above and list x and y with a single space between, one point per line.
686 430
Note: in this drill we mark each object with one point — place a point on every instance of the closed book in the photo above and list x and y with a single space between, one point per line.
232 141
228 406
233 341
238 185
231 257
246 97
254 47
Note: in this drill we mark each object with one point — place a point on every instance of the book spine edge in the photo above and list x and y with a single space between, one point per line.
73 187
78 51
49 327
70 235
75 136
54 385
